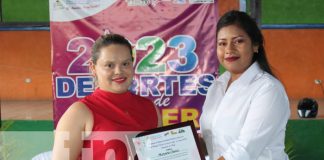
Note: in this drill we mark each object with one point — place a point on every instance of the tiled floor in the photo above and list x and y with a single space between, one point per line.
43 110
27 110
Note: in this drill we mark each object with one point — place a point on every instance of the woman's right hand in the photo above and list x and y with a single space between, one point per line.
200 135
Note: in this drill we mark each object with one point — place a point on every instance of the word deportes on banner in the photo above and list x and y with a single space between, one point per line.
188 85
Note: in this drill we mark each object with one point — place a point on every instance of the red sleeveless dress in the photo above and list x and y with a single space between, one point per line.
116 112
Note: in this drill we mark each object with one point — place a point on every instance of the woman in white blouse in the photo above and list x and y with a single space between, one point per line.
246 109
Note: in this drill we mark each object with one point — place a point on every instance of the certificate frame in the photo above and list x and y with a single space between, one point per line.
176 126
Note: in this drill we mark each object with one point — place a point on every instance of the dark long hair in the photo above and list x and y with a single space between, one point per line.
245 22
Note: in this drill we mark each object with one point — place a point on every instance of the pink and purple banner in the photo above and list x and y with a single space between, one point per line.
173 47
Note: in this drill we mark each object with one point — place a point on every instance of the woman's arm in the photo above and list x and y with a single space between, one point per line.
69 131
268 115
158 116
221 158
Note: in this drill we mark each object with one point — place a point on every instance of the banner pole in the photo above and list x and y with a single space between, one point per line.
255 8
243 5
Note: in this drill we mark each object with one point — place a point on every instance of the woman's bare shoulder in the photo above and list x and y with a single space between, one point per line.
76 116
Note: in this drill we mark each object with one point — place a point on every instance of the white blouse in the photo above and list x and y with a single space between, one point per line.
248 121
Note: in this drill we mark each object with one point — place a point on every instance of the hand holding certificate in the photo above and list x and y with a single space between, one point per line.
174 142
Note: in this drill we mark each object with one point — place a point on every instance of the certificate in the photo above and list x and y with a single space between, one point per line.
174 142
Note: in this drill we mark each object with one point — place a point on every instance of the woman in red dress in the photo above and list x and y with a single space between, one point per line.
111 107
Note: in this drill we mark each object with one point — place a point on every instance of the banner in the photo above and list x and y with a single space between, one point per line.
173 45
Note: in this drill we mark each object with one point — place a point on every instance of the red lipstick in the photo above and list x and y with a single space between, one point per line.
119 80
231 59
